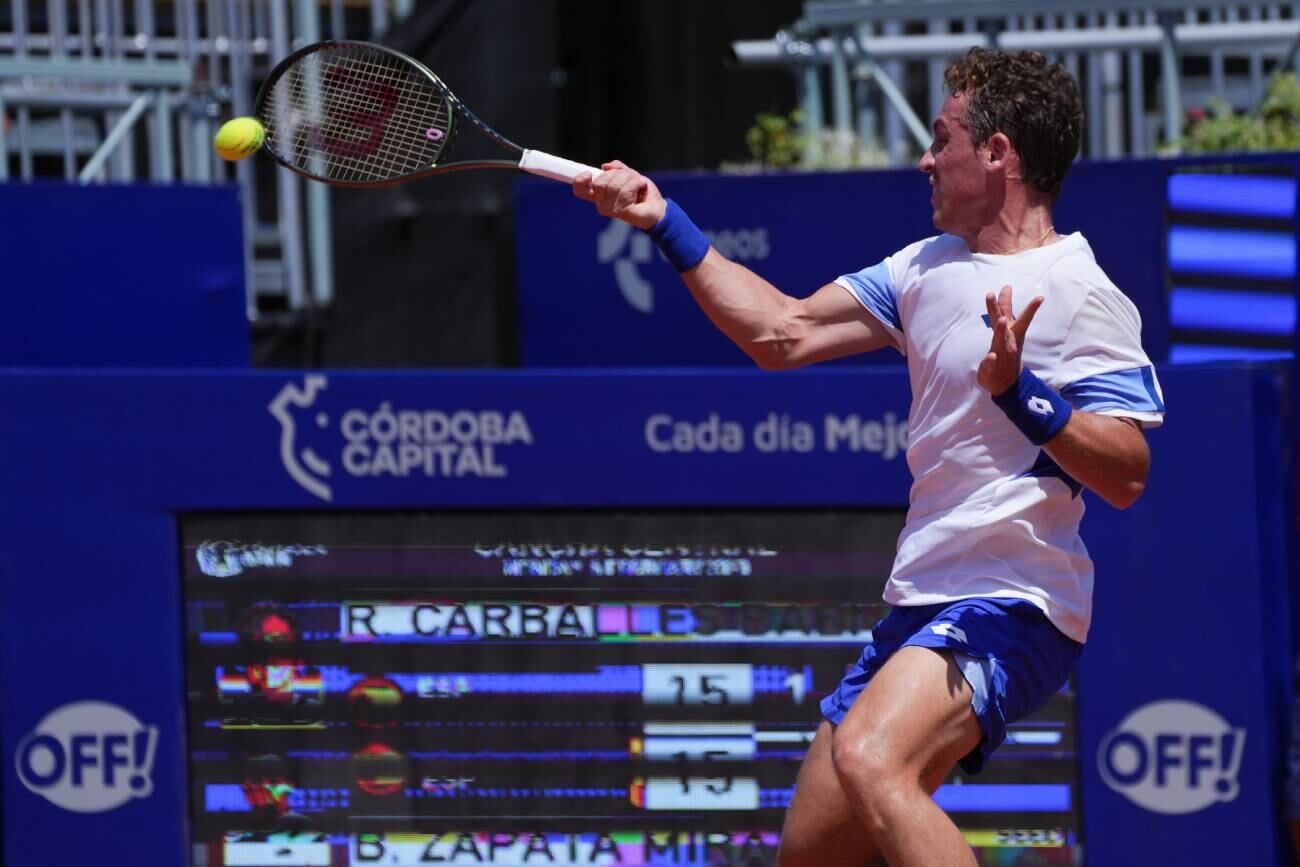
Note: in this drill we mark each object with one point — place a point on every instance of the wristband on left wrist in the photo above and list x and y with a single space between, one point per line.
1034 407
681 241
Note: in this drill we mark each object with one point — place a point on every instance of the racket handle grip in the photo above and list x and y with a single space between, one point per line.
555 168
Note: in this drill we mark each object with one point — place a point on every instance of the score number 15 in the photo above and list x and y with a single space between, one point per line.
697 685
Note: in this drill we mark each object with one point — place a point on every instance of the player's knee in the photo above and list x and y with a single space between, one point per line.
869 766
864 763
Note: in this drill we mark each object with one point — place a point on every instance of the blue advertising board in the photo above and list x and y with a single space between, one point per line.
595 292
126 275
1180 699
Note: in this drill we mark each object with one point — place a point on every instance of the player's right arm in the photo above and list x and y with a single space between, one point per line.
775 329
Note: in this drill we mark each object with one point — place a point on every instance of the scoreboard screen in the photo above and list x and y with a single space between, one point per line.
546 687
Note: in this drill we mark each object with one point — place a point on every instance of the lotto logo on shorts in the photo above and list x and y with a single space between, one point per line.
1173 757
88 757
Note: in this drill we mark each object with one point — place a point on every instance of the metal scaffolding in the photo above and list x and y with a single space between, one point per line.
888 56
117 91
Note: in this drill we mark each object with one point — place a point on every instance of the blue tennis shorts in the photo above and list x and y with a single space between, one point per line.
1009 652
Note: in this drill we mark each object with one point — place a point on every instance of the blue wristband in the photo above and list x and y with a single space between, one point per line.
1034 407
680 240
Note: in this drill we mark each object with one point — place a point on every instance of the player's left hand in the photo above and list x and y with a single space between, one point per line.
1001 366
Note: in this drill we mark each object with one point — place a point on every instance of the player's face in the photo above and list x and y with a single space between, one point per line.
956 169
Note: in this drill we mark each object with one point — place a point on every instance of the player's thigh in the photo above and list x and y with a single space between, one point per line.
913 722
821 829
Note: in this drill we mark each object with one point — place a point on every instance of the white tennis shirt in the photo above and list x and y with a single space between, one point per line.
991 514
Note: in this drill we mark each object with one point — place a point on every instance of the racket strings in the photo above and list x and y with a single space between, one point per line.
380 129
351 134
416 107
393 114
355 114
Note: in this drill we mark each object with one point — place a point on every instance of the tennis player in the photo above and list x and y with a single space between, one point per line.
1029 382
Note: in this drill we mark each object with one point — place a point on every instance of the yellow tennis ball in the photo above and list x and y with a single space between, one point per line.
238 138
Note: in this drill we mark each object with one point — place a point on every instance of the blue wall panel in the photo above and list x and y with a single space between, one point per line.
1192 604
1191 582
128 276
594 292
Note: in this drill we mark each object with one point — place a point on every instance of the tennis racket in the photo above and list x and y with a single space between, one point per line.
353 114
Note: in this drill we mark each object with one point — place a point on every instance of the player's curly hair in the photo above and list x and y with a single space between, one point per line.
1033 102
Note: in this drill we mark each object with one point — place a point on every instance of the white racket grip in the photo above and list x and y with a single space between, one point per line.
555 168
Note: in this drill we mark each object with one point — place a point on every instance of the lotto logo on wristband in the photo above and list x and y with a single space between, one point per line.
88 757
1040 406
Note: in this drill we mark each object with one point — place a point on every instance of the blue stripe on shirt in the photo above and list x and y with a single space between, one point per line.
874 287
1046 468
1133 389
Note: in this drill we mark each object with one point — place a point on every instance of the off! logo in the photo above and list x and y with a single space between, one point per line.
1173 757
88 757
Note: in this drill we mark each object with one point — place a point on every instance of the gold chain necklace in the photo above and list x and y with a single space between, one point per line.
1040 240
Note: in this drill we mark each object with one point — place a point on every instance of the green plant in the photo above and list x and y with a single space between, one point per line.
1275 126
780 142
776 141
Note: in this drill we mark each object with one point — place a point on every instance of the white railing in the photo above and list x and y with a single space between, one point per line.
882 61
